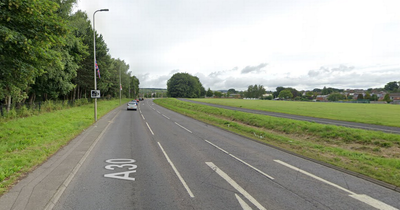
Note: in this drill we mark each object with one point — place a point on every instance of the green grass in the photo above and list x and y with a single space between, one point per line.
378 114
27 142
375 154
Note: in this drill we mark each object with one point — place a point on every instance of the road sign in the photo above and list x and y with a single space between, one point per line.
95 93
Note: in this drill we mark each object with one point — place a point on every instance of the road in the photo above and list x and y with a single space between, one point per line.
386 129
154 158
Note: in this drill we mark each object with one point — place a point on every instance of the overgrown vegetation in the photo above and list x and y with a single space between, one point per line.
371 153
27 142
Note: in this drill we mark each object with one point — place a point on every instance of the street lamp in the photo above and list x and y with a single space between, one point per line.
94 62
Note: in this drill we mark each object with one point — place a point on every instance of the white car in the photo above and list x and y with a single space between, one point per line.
132 106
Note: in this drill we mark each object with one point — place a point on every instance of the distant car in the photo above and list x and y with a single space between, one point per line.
132 106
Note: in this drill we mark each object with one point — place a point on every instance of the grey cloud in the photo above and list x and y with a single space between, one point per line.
257 69
323 70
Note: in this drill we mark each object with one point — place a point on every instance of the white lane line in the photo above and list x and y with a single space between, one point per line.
165 116
235 185
183 127
65 184
158 112
142 116
242 161
149 128
177 172
363 198
242 203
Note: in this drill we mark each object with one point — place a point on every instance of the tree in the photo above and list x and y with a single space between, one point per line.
285 94
387 98
217 94
360 96
184 85
392 86
209 93
336 97
30 33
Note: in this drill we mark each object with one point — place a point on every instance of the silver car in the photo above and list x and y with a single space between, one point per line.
132 106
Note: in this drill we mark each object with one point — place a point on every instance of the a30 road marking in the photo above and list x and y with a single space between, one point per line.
177 172
149 128
242 161
183 127
235 185
363 198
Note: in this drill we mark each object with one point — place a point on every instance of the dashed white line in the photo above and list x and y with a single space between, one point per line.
158 112
149 128
142 116
177 172
165 116
235 185
363 198
242 161
183 127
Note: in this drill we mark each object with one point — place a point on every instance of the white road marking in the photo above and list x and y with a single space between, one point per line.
65 184
165 116
183 127
177 172
142 116
158 112
363 198
242 203
235 185
149 128
242 161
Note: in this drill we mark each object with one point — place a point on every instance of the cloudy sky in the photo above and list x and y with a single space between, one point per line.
304 44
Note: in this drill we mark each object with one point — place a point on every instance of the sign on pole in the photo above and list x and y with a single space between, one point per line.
95 93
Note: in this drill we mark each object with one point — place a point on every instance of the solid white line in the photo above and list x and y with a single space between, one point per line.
177 172
142 116
242 161
242 203
183 127
65 184
149 128
235 185
165 116
363 198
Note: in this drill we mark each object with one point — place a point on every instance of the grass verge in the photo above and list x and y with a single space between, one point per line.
25 143
374 154
377 114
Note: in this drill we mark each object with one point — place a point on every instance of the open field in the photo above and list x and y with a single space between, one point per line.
378 114
27 142
371 153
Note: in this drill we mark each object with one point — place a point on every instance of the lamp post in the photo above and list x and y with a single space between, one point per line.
94 62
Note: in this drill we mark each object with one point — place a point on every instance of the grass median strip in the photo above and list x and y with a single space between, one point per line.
25 143
375 154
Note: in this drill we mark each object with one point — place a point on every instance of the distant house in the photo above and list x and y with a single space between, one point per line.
322 98
395 97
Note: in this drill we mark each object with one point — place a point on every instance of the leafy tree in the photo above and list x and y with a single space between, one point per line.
184 85
217 94
285 94
30 33
336 97
392 86
360 96
374 97
209 93
387 98
232 91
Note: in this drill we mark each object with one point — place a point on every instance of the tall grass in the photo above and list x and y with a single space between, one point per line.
27 142
371 153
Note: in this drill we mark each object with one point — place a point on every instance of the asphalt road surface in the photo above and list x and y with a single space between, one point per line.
154 158
386 129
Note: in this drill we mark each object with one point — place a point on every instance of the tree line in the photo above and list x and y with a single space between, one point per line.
46 53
